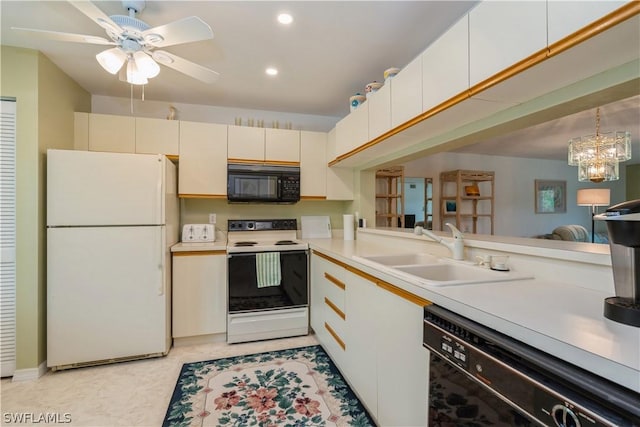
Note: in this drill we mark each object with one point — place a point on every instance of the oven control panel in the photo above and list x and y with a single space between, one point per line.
262 224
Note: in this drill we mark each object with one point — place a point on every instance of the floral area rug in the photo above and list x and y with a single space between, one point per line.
296 387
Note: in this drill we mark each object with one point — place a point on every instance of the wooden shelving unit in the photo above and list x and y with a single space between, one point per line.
467 208
390 197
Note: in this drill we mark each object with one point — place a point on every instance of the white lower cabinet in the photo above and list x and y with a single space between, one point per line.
199 293
377 345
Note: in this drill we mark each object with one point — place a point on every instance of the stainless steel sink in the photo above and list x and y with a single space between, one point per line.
445 274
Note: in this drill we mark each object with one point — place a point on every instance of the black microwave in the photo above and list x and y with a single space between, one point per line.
263 183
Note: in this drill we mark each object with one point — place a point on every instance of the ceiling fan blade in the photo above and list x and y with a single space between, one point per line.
96 15
67 37
187 30
186 67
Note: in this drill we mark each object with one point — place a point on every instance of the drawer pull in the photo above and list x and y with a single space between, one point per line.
335 308
335 281
335 336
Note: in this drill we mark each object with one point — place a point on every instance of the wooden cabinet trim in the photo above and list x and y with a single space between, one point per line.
313 197
614 18
333 307
263 162
202 196
335 281
199 253
335 336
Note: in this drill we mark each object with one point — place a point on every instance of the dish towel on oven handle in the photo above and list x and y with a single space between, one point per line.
268 269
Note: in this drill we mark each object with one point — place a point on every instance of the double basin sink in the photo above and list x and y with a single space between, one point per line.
436 271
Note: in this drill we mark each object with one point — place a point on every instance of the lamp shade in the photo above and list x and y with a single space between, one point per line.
112 59
594 197
146 65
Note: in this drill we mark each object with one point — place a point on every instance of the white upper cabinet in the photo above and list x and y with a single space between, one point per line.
380 111
203 159
339 180
81 131
567 17
445 66
112 133
157 136
282 145
313 168
353 130
501 33
406 93
245 143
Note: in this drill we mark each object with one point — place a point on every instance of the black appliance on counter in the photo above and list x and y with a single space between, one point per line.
257 183
478 376
623 225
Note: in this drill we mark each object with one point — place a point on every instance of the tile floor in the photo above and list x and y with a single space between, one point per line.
124 394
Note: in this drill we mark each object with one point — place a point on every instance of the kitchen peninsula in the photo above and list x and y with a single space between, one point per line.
559 311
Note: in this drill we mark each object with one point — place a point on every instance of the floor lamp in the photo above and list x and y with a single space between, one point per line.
594 197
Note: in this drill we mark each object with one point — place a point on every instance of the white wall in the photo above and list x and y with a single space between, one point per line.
209 114
414 197
514 190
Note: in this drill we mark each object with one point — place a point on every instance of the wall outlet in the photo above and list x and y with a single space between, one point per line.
212 218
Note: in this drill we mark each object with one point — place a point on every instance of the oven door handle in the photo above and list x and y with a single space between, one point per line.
241 254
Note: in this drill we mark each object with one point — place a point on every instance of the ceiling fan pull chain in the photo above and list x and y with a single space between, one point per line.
143 92
131 98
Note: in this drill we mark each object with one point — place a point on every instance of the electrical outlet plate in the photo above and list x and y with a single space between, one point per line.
212 218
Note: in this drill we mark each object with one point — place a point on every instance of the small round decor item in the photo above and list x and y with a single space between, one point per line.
372 88
356 100
390 72
471 190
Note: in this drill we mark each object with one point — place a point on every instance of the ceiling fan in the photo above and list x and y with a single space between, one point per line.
136 43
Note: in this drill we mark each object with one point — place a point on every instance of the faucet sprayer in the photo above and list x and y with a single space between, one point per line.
456 247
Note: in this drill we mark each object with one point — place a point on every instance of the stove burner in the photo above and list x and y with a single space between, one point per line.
285 242
239 244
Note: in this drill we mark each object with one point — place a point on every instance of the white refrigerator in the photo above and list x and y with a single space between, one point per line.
111 220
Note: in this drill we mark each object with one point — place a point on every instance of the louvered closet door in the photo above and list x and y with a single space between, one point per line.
7 237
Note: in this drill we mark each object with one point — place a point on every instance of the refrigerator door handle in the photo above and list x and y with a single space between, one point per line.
159 191
161 266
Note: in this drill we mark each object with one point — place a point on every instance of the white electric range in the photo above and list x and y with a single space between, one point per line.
267 280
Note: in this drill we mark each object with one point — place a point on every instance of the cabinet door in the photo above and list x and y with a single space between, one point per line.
362 340
199 293
406 93
313 167
503 33
445 66
203 159
353 130
380 111
245 143
157 136
402 361
282 145
81 131
112 133
339 180
566 17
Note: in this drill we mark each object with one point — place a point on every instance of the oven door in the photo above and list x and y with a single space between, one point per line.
246 294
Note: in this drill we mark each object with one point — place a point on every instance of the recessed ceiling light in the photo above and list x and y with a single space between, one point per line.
285 18
271 71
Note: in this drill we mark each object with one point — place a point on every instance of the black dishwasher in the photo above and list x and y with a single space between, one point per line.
478 376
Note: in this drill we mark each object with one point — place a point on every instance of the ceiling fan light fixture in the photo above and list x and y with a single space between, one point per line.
147 66
111 59
134 76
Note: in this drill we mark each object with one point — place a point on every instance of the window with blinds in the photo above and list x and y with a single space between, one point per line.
7 237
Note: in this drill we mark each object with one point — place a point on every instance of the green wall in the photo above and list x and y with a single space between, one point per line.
633 182
46 99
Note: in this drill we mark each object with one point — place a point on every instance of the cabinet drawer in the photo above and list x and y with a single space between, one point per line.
334 290
336 319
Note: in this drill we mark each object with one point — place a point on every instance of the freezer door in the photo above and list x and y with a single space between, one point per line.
107 294
94 188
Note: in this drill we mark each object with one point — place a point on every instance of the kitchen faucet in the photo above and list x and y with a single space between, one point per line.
456 247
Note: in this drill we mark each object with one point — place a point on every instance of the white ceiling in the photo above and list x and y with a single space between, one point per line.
331 51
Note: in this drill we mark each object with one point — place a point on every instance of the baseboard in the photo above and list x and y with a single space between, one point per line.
30 374
199 339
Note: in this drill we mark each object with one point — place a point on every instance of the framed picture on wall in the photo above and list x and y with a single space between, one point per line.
550 196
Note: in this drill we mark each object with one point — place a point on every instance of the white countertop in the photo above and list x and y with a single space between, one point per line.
564 320
218 245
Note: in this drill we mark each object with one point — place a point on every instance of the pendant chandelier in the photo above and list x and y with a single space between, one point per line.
597 156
